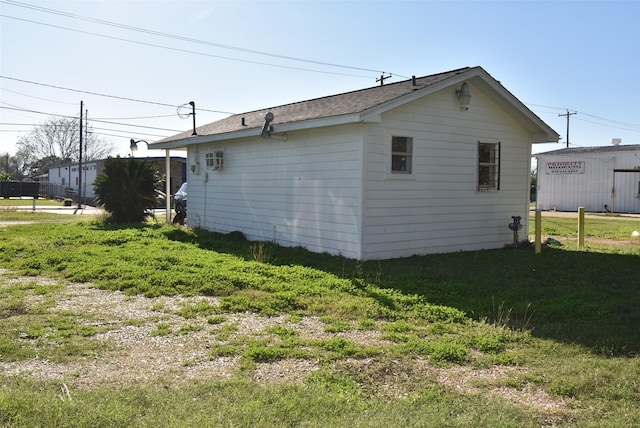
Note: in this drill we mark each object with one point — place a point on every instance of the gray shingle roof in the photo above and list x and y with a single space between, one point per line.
329 106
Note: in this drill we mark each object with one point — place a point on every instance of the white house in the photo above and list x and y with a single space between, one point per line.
429 165
600 179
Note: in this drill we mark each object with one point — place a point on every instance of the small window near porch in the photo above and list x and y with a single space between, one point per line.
401 155
488 166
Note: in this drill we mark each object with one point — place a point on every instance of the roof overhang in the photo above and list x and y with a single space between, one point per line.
282 128
539 131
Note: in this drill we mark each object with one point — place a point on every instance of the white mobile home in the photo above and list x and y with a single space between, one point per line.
433 164
64 180
600 179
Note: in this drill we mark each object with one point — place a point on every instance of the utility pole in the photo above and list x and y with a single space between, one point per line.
383 78
568 114
80 160
86 141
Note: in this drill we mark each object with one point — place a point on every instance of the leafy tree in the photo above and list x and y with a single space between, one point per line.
13 166
42 166
127 188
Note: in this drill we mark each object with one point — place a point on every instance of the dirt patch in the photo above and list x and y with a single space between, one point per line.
138 354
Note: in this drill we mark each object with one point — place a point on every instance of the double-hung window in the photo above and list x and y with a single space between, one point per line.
401 155
488 166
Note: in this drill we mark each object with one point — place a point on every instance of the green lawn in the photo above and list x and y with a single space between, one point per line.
561 328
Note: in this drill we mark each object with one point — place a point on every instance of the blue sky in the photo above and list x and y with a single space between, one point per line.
237 56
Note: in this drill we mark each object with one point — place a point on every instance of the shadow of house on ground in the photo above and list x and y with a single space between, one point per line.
585 298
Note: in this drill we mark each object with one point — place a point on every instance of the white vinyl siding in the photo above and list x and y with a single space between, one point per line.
439 209
334 189
305 191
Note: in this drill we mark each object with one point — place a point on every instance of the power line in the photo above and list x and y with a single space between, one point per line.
106 95
37 98
609 126
186 39
622 125
94 120
53 125
617 122
182 50
136 117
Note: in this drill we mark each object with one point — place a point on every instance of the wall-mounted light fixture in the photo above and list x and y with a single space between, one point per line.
464 96
134 144
267 129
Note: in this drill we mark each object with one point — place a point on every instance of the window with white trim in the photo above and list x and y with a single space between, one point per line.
215 159
401 155
488 166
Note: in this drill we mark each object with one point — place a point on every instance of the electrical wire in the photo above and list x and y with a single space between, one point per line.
608 126
627 126
187 39
37 98
183 50
136 118
632 125
94 120
106 95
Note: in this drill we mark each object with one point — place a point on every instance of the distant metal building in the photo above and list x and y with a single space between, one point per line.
600 179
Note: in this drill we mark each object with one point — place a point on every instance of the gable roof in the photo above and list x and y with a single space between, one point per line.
588 150
363 105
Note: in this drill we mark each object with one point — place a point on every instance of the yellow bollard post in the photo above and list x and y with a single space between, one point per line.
580 227
538 231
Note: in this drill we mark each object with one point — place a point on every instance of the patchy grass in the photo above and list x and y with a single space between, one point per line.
491 338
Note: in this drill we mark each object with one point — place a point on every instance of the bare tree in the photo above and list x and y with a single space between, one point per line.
59 138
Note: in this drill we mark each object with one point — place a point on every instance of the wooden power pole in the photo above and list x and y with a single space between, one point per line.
568 114
80 161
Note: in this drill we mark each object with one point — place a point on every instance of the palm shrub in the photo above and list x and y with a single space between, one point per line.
127 188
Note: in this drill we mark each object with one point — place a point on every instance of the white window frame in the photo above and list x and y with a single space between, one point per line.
488 173
214 159
401 162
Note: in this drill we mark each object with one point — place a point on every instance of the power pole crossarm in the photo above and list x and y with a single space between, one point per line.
568 114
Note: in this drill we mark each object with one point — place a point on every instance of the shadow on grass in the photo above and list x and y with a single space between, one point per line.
587 298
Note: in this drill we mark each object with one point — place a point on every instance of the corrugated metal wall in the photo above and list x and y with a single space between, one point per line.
568 181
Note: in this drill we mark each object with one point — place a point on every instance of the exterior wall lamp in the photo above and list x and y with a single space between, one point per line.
267 129
134 144
464 96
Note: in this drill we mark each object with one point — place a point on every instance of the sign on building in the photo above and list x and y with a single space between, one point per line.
565 167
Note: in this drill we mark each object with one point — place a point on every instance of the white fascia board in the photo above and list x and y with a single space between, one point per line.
255 132
318 123
540 138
